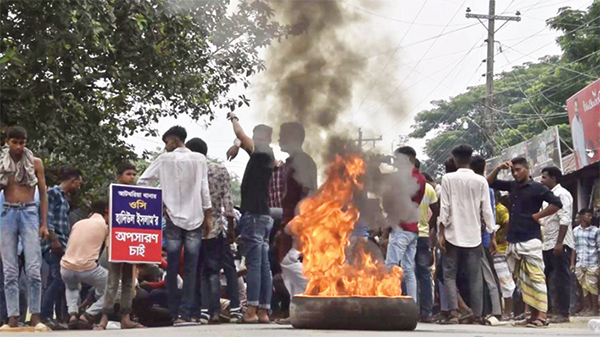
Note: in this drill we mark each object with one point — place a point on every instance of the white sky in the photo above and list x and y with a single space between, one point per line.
430 70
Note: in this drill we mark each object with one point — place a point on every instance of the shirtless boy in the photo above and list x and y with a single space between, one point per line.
20 172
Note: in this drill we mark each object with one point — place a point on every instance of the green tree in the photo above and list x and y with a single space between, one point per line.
448 117
82 75
527 100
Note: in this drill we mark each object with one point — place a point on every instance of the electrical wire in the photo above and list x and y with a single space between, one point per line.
421 59
515 45
434 89
533 106
558 66
364 10
390 59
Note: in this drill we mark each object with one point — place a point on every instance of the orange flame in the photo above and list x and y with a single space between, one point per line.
324 225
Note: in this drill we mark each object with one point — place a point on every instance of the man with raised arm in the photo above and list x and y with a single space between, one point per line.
256 222
524 236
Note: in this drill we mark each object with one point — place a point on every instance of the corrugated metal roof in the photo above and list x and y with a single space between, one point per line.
569 164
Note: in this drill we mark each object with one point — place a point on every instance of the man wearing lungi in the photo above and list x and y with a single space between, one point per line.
524 236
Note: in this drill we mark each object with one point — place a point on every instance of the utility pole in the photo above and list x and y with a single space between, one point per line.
362 141
489 75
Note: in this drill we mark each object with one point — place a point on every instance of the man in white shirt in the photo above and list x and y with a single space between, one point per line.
183 176
558 246
465 202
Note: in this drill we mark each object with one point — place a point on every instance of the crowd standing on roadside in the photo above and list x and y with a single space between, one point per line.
483 251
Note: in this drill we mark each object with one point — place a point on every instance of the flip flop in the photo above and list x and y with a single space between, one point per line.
538 323
73 324
245 321
494 321
135 325
453 320
100 327
521 322
41 327
283 321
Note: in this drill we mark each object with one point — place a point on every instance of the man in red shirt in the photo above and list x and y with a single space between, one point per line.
402 246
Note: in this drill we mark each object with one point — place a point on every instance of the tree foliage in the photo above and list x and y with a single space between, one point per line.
527 100
82 75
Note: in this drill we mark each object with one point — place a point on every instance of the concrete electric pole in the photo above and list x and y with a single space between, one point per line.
489 75
361 141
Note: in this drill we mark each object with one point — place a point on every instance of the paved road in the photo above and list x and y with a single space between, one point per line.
423 330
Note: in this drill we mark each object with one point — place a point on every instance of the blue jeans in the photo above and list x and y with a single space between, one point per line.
255 245
21 221
402 249
55 289
96 278
423 273
191 241
22 295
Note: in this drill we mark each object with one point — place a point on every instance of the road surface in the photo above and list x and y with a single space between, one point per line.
577 329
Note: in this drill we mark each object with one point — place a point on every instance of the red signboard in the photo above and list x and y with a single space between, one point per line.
584 117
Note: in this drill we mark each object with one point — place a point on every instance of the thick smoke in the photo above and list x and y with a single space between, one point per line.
322 75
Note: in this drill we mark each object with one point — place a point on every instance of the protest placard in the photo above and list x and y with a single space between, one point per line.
135 224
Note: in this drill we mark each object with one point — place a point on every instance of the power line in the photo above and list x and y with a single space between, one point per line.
523 93
435 88
411 71
566 33
364 10
510 126
554 66
507 7
506 121
557 65
390 59
440 158
533 106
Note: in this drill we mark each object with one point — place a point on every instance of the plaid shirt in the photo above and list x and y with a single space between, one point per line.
58 217
587 246
277 187
219 184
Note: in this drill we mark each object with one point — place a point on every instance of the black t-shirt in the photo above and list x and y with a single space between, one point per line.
255 185
525 200
300 177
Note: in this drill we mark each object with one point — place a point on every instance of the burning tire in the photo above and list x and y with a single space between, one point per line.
354 313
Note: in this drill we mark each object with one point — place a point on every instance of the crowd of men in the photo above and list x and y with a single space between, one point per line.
475 255
504 250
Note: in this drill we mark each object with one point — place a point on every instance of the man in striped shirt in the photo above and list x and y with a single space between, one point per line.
586 259
54 248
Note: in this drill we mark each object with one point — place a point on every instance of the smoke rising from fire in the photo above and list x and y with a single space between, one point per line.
321 76
327 78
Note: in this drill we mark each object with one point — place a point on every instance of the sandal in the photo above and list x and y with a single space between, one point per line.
99 327
135 325
465 315
244 320
451 320
73 322
523 322
538 323
521 317
88 324
283 321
